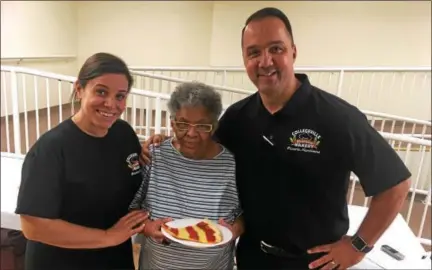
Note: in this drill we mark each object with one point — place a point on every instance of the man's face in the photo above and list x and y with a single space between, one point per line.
268 55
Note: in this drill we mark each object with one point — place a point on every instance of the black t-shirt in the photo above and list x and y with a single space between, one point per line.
293 167
84 180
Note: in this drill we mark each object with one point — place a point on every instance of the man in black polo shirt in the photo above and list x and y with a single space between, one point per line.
295 146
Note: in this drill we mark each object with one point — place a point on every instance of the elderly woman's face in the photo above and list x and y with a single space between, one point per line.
193 128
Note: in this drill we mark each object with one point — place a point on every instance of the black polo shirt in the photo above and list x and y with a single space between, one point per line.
83 180
293 166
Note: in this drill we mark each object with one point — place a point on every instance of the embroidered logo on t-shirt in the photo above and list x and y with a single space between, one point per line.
305 140
133 163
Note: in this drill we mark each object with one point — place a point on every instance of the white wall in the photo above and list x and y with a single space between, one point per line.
147 32
339 33
208 33
37 29
196 33
346 33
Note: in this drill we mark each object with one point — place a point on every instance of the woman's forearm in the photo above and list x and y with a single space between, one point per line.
63 234
238 226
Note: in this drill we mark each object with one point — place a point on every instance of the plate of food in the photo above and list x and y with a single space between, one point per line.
199 233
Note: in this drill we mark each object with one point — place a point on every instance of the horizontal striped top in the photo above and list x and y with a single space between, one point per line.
178 187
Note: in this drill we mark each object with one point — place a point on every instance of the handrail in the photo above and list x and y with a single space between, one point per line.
53 58
72 79
179 80
45 57
397 118
12 155
406 139
45 74
153 94
149 93
386 135
241 91
306 68
416 135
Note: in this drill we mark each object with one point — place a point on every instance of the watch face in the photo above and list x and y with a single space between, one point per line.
358 243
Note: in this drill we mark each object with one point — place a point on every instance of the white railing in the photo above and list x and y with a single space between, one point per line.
381 121
166 84
399 125
35 101
48 93
419 171
393 90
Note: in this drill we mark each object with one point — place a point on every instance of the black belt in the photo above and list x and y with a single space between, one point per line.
279 252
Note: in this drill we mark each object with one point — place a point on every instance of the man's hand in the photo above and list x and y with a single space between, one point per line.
340 255
154 139
153 229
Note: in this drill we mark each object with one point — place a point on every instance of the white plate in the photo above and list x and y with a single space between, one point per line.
178 223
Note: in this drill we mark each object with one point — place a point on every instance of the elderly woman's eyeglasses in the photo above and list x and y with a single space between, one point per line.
183 126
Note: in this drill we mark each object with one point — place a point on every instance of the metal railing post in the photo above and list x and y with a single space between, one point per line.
15 113
340 83
158 116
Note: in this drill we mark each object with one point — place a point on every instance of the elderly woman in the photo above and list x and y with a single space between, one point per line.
190 176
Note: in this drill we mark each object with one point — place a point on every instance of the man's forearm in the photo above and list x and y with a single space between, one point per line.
382 211
63 234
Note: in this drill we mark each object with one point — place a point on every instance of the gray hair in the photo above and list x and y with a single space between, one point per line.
196 94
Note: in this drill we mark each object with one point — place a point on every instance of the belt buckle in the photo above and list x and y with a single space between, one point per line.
275 251
267 248
264 246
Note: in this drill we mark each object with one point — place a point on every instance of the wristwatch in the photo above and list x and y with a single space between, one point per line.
359 244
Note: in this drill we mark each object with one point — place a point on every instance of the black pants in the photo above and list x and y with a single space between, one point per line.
250 256
13 246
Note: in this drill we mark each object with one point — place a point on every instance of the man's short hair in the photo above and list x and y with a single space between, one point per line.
269 12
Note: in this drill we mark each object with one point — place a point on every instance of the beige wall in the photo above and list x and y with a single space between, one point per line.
339 33
194 33
39 29
147 32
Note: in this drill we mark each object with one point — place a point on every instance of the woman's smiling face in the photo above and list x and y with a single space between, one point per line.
103 99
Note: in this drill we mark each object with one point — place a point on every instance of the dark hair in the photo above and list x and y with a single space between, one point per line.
100 64
269 12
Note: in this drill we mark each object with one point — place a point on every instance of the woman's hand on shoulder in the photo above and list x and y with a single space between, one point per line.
153 229
126 227
145 146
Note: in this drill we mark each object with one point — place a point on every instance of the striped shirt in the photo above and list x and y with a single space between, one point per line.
178 187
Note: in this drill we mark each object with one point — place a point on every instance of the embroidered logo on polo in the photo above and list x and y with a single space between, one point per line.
133 163
305 140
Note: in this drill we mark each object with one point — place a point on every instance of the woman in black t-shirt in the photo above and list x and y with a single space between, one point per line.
79 178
